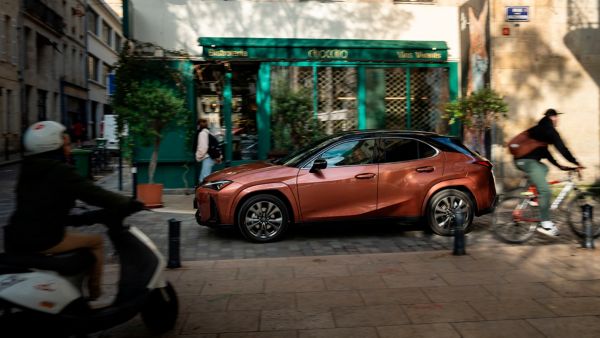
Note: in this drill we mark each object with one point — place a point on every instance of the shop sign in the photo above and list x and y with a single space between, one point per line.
517 13
325 54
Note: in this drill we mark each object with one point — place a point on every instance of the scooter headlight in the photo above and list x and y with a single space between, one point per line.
217 185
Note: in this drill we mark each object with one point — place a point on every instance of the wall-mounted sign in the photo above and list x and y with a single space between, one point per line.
323 50
517 13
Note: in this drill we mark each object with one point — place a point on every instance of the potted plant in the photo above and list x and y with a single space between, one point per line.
477 112
148 99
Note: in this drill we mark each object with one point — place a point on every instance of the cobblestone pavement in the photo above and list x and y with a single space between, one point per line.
201 243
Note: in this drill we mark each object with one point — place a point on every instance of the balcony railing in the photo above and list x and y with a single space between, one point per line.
45 14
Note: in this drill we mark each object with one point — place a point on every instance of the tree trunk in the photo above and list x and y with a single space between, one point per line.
153 161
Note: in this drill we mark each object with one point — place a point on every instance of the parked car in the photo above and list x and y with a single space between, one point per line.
403 175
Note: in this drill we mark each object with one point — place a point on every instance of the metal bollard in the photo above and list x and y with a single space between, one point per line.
174 240
587 218
459 234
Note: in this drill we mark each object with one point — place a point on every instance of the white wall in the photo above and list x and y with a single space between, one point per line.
177 24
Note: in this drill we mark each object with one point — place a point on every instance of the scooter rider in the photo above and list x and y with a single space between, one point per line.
46 191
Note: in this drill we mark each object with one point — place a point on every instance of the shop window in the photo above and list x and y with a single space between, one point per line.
337 99
244 131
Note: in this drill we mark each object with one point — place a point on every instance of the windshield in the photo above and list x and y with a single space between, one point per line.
294 159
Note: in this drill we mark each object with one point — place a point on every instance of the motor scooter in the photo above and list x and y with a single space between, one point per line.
42 295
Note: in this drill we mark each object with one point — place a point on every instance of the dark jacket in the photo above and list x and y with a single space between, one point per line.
46 191
544 131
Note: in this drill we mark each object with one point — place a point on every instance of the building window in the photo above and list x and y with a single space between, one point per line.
105 71
41 104
93 19
92 67
106 34
6 33
118 42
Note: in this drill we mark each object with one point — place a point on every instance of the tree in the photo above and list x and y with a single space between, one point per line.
294 125
477 112
149 97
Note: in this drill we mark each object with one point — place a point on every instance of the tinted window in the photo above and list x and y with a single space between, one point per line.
355 152
300 155
454 144
401 149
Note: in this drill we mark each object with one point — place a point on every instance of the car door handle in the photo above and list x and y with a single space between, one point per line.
365 176
425 169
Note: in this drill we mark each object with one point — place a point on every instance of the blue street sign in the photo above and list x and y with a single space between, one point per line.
112 86
517 13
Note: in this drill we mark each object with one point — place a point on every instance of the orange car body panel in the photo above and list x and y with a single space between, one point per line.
400 189
337 193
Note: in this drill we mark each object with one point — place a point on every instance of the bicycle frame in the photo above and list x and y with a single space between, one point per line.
529 196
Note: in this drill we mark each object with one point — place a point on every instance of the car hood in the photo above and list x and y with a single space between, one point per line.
254 170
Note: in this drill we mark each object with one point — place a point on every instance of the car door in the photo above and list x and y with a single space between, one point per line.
346 188
407 169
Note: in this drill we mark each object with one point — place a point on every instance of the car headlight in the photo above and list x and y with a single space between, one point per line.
217 185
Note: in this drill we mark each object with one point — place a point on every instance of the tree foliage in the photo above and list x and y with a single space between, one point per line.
149 97
478 110
294 125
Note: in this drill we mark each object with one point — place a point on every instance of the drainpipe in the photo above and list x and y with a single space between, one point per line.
22 51
86 71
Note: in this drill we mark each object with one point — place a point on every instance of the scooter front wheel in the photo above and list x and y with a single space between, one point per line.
161 310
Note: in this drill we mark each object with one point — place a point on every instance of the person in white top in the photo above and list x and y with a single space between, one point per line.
202 156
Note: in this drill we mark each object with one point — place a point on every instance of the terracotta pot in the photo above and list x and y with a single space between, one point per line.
150 195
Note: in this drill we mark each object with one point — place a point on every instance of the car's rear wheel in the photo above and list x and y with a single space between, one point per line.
442 210
263 218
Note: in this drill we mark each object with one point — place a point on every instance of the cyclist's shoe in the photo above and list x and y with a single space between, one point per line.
548 228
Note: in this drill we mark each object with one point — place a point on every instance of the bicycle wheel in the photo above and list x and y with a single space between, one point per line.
575 214
514 220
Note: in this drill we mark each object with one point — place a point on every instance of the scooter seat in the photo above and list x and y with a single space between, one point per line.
67 263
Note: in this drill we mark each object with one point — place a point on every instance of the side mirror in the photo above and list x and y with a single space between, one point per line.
318 164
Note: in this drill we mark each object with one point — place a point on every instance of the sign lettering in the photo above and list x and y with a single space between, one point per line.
328 54
227 53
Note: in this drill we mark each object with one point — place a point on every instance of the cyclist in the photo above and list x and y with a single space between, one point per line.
545 131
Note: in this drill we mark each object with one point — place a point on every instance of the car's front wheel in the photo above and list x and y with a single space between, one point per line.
263 218
442 210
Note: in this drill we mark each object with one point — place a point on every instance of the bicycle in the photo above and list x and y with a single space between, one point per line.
516 216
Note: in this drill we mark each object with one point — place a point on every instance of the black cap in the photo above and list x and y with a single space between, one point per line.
551 112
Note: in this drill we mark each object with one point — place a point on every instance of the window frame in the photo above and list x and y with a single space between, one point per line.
381 159
308 162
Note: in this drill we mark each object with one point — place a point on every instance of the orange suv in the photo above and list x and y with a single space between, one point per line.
353 175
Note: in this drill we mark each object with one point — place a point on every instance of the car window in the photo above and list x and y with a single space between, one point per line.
354 152
404 149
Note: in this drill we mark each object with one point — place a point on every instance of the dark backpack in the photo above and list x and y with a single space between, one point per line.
214 148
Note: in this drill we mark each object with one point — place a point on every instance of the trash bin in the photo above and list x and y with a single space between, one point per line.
82 159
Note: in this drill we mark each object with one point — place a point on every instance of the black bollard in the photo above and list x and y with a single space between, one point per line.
174 239
587 219
459 234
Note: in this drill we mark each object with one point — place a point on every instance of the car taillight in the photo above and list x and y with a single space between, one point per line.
484 163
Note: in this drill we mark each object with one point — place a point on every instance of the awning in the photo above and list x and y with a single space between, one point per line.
218 48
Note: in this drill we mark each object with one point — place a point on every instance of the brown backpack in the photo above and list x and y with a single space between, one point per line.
523 144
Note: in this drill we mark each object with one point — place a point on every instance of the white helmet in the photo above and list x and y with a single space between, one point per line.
43 136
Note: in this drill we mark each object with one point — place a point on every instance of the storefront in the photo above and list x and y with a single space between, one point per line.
349 84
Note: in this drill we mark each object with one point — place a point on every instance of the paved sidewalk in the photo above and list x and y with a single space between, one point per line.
512 291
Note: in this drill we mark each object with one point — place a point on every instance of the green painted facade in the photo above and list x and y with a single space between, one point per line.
370 58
